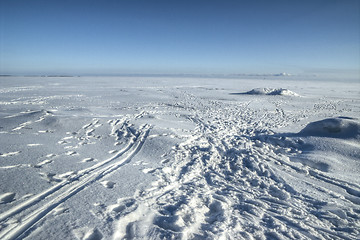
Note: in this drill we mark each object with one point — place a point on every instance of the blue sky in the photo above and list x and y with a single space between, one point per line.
132 36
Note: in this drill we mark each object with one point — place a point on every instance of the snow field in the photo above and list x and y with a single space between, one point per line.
178 159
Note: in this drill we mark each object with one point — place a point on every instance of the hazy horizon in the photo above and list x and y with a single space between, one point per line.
168 37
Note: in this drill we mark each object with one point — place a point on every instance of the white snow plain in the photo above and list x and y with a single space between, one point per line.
179 158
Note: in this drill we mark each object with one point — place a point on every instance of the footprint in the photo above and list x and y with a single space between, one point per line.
122 205
87 125
59 210
93 234
40 119
71 147
165 161
71 133
88 159
15 166
27 196
278 193
149 170
216 211
22 125
9 154
70 153
108 184
137 163
44 131
117 208
67 175
90 132
50 177
39 165
7 197
88 234
34 144
67 138
112 151
153 136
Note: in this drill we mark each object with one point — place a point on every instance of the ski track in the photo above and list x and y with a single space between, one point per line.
54 196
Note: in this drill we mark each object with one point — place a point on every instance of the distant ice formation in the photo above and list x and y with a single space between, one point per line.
271 91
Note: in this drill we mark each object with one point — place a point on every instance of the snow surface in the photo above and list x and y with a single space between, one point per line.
178 158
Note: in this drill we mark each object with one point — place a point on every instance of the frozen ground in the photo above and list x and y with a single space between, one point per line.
161 158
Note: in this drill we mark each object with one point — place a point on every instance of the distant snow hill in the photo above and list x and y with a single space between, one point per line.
271 91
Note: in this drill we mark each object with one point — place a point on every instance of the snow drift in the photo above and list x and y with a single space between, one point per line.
271 91
340 127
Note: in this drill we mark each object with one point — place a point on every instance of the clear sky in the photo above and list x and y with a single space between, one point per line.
198 36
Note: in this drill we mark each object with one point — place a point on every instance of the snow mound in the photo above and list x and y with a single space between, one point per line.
271 91
340 127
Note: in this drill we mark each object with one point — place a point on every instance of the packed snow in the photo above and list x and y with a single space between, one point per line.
179 158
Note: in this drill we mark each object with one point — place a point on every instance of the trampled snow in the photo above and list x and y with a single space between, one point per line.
178 158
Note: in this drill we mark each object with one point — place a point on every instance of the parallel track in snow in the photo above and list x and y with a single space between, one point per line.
54 196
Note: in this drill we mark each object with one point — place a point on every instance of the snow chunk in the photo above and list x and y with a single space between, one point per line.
340 127
271 91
